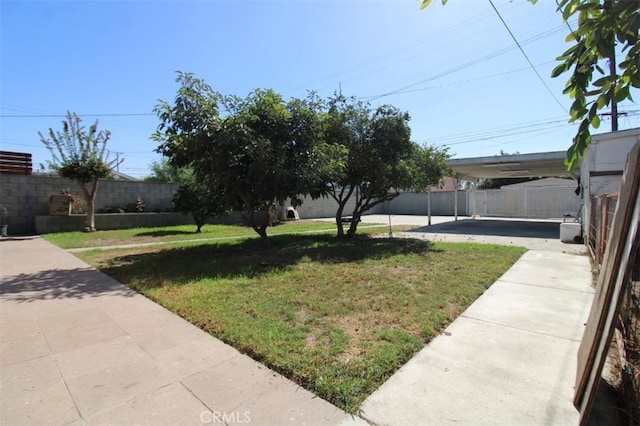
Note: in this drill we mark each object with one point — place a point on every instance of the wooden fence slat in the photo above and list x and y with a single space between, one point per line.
17 163
623 243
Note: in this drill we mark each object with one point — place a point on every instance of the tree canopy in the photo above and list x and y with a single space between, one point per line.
252 152
602 24
259 152
82 156
382 161
162 171
194 197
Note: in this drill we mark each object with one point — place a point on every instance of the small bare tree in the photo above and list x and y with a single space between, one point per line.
82 156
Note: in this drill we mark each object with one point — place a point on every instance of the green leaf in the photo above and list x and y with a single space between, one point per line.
602 101
622 93
605 48
559 70
595 121
425 3
571 157
568 11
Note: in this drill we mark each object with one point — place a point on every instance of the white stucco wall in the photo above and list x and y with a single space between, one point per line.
602 167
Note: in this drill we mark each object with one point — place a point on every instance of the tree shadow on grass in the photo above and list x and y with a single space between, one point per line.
164 233
251 258
61 284
169 232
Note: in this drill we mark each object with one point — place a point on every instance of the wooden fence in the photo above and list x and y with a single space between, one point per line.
616 298
15 163
603 208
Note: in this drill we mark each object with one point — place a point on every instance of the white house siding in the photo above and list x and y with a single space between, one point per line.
602 166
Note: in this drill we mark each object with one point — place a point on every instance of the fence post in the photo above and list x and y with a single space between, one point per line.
429 205
455 203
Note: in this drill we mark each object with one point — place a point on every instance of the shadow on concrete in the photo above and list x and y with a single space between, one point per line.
61 284
18 238
497 227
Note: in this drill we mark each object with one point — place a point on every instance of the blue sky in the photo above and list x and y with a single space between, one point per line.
455 69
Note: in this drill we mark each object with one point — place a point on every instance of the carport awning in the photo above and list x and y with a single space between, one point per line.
543 164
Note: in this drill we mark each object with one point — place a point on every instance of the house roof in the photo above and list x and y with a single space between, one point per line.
447 186
541 164
122 176
546 182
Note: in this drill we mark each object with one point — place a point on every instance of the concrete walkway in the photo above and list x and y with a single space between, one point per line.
509 359
79 348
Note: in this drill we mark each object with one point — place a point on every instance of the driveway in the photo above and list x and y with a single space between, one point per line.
534 234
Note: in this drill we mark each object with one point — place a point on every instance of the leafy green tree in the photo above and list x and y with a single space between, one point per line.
380 154
430 166
250 158
82 156
162 171
193 197
593 86
601 24
497 183
261 151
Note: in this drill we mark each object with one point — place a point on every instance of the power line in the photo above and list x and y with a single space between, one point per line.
567 21
455 83
393 52
461 66
503 135
499 132
80 115
527 58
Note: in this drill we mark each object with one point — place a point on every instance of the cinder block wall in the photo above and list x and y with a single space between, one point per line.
413 203
323 207
24 197
409 203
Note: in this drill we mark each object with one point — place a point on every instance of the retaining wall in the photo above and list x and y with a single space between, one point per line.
26 197
48 224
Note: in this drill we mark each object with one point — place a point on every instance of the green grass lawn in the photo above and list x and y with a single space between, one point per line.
336 316
78 239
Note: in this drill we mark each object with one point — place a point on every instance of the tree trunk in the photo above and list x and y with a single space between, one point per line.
354 223
89 198
339 219
261 229
342 200
199 221
361 206
90 222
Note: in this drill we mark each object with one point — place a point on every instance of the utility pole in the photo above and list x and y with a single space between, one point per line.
614 104
612 71
117 159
